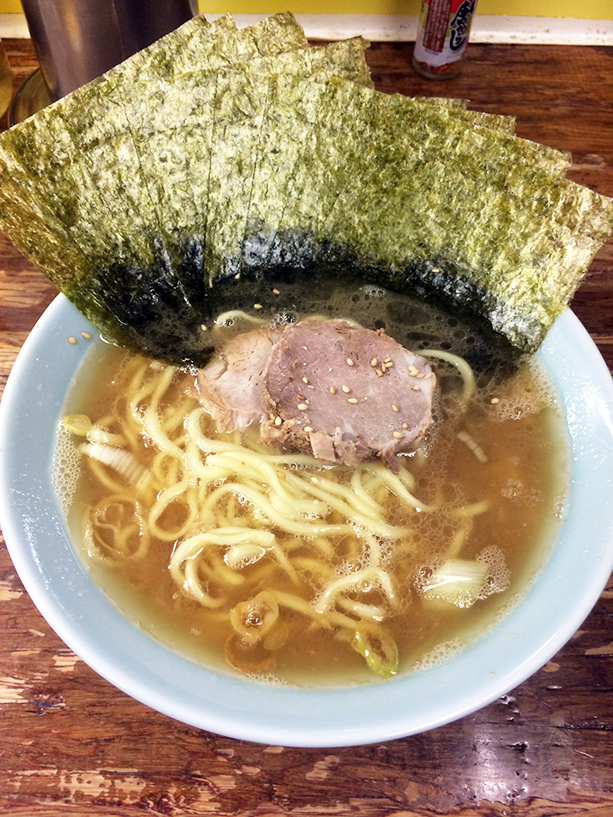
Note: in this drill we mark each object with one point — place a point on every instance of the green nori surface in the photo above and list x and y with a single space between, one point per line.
80 150
246 118
218 161
70 182
31 222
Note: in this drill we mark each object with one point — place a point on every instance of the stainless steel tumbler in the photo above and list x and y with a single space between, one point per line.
77 40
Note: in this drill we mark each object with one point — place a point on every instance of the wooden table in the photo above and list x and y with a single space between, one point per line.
72 744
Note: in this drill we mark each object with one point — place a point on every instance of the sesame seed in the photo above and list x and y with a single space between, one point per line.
71 340
290 423
378 372
237 276
394 407
398 435
332 390
276 292
436 269
302 407
495 400
352 400
413 371
346 389
203 327
278 421
308 429
405 426
415 388
301 397
314 480
305 380
257 306
387 360
349 362
86 335
374 361
389 364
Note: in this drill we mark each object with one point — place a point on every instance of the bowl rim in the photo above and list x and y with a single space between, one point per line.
133 661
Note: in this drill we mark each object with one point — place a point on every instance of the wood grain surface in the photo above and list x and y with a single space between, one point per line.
71 744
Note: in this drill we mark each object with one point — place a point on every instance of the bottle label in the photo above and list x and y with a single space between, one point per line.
443 31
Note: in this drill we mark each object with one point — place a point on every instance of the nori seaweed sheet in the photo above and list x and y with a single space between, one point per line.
241 139
472 214
286 192
219 158
33 225
418 200
171 119
97 185
57 160
338 142
48 153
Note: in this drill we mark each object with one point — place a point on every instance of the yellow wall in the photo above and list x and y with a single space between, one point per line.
582 9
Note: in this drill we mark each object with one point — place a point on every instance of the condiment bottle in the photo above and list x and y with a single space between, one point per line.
442 35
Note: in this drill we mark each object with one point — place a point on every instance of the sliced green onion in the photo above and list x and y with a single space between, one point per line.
253 619
378 649
78 424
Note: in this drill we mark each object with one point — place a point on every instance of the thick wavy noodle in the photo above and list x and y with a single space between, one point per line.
276 565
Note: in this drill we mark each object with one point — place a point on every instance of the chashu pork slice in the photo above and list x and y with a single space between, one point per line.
231 385
339 392
345 394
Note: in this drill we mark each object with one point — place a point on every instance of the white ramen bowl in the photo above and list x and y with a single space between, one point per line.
556 603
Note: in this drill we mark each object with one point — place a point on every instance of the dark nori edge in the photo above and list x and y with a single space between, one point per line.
150 309
155 311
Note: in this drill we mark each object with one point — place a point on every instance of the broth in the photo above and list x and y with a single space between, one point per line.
489 484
